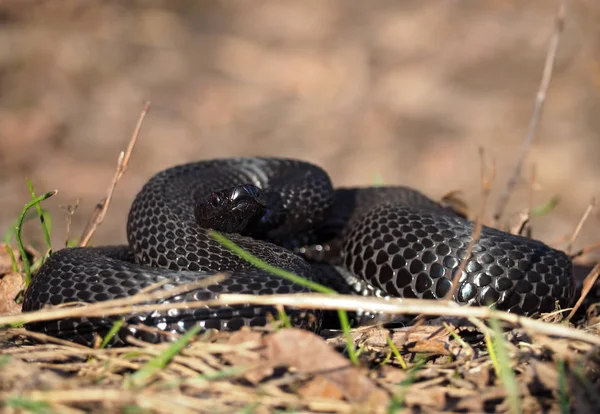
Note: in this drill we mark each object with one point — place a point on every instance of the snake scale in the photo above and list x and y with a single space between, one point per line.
386 241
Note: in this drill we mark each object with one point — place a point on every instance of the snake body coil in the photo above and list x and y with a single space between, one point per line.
392 240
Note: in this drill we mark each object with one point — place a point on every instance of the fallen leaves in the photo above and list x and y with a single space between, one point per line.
11 283
335 376
10 286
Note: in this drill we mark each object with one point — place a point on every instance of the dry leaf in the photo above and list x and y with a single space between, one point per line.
321 387
10 286
310 354
392 374
434 397
243 336
422 339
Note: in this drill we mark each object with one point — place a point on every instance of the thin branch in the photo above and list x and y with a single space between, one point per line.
524 219
585 250
583 219
537 110
123 160
589 281
69 212
388 306
486 186
528 229
129 304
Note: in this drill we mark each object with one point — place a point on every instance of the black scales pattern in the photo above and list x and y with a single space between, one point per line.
392 238
415 253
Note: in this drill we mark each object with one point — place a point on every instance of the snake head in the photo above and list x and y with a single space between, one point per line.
238 209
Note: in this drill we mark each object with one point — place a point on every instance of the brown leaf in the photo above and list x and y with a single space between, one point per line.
248 359
321 387
422 339
310 354
10 286
434 397
392 375
430 347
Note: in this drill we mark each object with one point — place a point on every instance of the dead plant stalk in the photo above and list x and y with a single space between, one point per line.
537 110
123 160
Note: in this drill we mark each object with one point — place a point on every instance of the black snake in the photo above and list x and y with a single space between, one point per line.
376 240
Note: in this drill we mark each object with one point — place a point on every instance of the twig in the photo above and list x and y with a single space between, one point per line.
486 186
537 110
583 219
69 212
391 306
585 250
130 304
589 281
524 218
528 229
123 160
532 183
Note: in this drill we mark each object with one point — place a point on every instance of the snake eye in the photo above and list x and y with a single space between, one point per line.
214 199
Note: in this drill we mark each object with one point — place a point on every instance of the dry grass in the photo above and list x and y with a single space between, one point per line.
448 368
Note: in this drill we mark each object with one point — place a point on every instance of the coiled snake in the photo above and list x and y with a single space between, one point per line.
389 240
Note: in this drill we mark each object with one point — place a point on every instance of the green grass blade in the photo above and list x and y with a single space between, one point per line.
260 264
4 360
19 227
113 331
396 353
256 262
13 259
30 406
12 229
546 208
563 388
45 219
503 367
141 376
283 317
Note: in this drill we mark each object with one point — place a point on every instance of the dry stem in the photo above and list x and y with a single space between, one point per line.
589 281
390 306
486 186
585 250
123 160
524 219
537 110
583 219
69 212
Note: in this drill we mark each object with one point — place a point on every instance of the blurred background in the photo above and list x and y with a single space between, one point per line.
400 92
